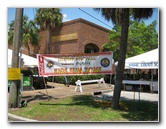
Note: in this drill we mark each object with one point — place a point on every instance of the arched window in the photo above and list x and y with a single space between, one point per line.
91 48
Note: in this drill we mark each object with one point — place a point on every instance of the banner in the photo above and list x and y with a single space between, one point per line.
74 64
143 65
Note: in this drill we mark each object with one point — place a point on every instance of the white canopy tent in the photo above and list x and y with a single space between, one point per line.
148 60
28 60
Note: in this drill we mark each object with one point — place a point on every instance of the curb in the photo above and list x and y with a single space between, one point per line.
12 118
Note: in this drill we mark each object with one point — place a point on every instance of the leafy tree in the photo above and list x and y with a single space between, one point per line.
11 33
30 33
48 18
121 16
141 38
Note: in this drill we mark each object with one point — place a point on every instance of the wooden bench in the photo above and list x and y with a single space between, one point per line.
78 83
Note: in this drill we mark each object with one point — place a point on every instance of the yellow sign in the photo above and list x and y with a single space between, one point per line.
14 74
64 37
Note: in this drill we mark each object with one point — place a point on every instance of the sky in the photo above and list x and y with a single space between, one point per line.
74 13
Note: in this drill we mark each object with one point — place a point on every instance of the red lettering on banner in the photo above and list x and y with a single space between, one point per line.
60 71
41 65
75 70
92 70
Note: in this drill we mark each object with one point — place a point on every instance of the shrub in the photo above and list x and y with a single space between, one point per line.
73 79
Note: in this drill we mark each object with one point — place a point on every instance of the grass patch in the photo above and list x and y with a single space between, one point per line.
84 108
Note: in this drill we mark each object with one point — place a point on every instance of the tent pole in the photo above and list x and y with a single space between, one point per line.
152 81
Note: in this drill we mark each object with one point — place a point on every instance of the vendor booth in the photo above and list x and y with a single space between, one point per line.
148 61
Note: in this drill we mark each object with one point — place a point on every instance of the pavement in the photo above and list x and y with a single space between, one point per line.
57 91
131 95
15 118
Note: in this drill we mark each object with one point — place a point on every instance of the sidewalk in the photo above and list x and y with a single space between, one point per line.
60 91
130 95
14 118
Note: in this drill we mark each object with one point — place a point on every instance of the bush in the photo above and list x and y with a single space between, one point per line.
73 79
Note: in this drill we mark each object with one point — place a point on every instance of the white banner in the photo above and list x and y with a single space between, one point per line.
74 64
143 65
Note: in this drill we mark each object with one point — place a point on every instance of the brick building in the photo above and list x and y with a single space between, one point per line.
76 36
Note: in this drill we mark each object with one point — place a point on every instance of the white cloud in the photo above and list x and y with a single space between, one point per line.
64 15
65 18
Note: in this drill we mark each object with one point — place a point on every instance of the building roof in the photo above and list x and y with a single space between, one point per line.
80 20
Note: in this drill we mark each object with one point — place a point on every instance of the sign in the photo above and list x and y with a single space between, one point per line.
143 65
14 74
26 81
64 37
75 64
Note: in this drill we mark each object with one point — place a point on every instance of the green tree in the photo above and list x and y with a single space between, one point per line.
121 16
30 33
141 38
48 18
11 33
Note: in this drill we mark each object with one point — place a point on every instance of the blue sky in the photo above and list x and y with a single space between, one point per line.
74 13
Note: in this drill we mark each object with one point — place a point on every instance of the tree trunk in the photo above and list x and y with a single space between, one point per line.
15 84
48 41
29 53
121 58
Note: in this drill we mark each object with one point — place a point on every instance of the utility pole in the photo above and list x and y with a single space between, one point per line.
14 97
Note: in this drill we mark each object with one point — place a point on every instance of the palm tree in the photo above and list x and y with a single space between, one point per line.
11 33
121 16
30 33
48 18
